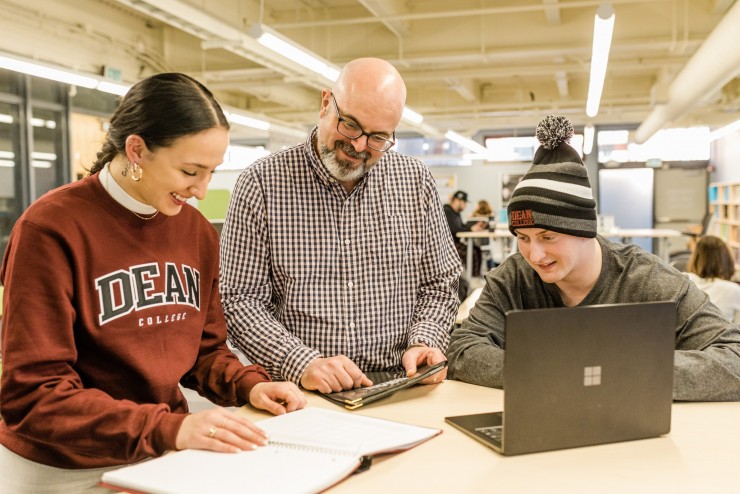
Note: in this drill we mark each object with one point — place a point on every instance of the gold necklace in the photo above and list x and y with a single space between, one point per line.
145 218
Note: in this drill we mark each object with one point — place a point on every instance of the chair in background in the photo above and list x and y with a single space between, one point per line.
679 259
699 231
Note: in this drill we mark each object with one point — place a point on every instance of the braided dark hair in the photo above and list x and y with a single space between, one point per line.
160 109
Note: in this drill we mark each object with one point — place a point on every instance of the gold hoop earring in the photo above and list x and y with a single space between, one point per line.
136 169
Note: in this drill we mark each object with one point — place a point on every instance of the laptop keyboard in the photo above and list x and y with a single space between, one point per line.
494 432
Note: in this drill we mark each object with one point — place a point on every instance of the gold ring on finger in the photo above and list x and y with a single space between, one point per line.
212 432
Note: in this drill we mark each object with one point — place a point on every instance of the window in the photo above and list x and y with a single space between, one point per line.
507 149
680 144
433 152
46 157
9 171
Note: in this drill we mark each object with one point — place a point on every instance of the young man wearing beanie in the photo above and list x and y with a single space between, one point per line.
562 262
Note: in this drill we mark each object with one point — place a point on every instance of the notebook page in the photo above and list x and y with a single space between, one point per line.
341 430
261 470
318 447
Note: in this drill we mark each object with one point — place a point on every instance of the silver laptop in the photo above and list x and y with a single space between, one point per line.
581 376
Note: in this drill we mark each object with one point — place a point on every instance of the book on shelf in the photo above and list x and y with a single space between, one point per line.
385 383
309 450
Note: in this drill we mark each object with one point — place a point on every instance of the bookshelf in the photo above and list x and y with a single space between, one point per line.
724 203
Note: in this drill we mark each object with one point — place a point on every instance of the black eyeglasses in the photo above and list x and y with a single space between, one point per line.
351 130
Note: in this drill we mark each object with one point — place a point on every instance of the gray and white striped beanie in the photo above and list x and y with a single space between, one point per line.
555 193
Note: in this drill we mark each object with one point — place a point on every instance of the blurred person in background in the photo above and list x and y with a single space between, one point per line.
711 267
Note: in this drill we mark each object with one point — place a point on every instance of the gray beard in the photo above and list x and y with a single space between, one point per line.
340 169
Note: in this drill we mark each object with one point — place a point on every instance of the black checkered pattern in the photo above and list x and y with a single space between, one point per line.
307 271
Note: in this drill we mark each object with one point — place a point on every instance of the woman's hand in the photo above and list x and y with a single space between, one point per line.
277 397
219 430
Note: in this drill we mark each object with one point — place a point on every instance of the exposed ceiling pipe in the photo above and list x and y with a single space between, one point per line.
720 6
452 13
290 96
466 88
399 28
379 8
216 33
561 80
552 12
713 65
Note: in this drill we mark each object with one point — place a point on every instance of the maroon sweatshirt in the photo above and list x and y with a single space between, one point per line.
104 314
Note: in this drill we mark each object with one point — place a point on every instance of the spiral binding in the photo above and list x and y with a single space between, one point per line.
314 447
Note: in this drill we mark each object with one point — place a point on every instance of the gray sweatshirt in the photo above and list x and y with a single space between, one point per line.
707 359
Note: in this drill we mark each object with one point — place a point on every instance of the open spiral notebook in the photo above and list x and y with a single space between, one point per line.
309 451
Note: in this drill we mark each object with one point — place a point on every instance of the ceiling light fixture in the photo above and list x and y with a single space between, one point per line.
603 29
113 88
411 115
246 121
16 64
269 38
290 50
588 139
47 72
61 75
466 142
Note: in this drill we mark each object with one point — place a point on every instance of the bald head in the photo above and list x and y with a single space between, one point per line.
375 82
367 102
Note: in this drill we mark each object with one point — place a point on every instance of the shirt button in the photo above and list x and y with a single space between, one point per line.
352 325
350 284
346 242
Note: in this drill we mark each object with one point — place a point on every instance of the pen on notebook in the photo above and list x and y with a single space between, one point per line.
366 461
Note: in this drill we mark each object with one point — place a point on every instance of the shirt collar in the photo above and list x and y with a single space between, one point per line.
120 195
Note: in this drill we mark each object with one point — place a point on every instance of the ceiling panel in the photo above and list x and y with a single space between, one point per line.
470 65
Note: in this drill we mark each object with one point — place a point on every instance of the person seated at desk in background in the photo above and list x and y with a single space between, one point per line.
457 204
111 300
711 268
562 262
335 258
483 210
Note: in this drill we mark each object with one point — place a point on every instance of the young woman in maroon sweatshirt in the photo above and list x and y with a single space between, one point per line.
111 300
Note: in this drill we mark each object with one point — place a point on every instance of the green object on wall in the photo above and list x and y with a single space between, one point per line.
215 204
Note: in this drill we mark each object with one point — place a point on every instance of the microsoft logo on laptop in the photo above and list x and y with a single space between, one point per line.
592 376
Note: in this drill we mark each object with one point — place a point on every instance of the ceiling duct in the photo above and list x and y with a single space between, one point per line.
715 63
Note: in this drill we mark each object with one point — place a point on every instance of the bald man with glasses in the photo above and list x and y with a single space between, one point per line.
336 257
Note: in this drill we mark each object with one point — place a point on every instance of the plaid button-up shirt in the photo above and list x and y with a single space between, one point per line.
310 271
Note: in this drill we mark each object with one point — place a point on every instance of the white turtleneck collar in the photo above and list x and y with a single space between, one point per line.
121 196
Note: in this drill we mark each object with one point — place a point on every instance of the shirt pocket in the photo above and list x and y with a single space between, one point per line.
394 259
391 241
394 253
